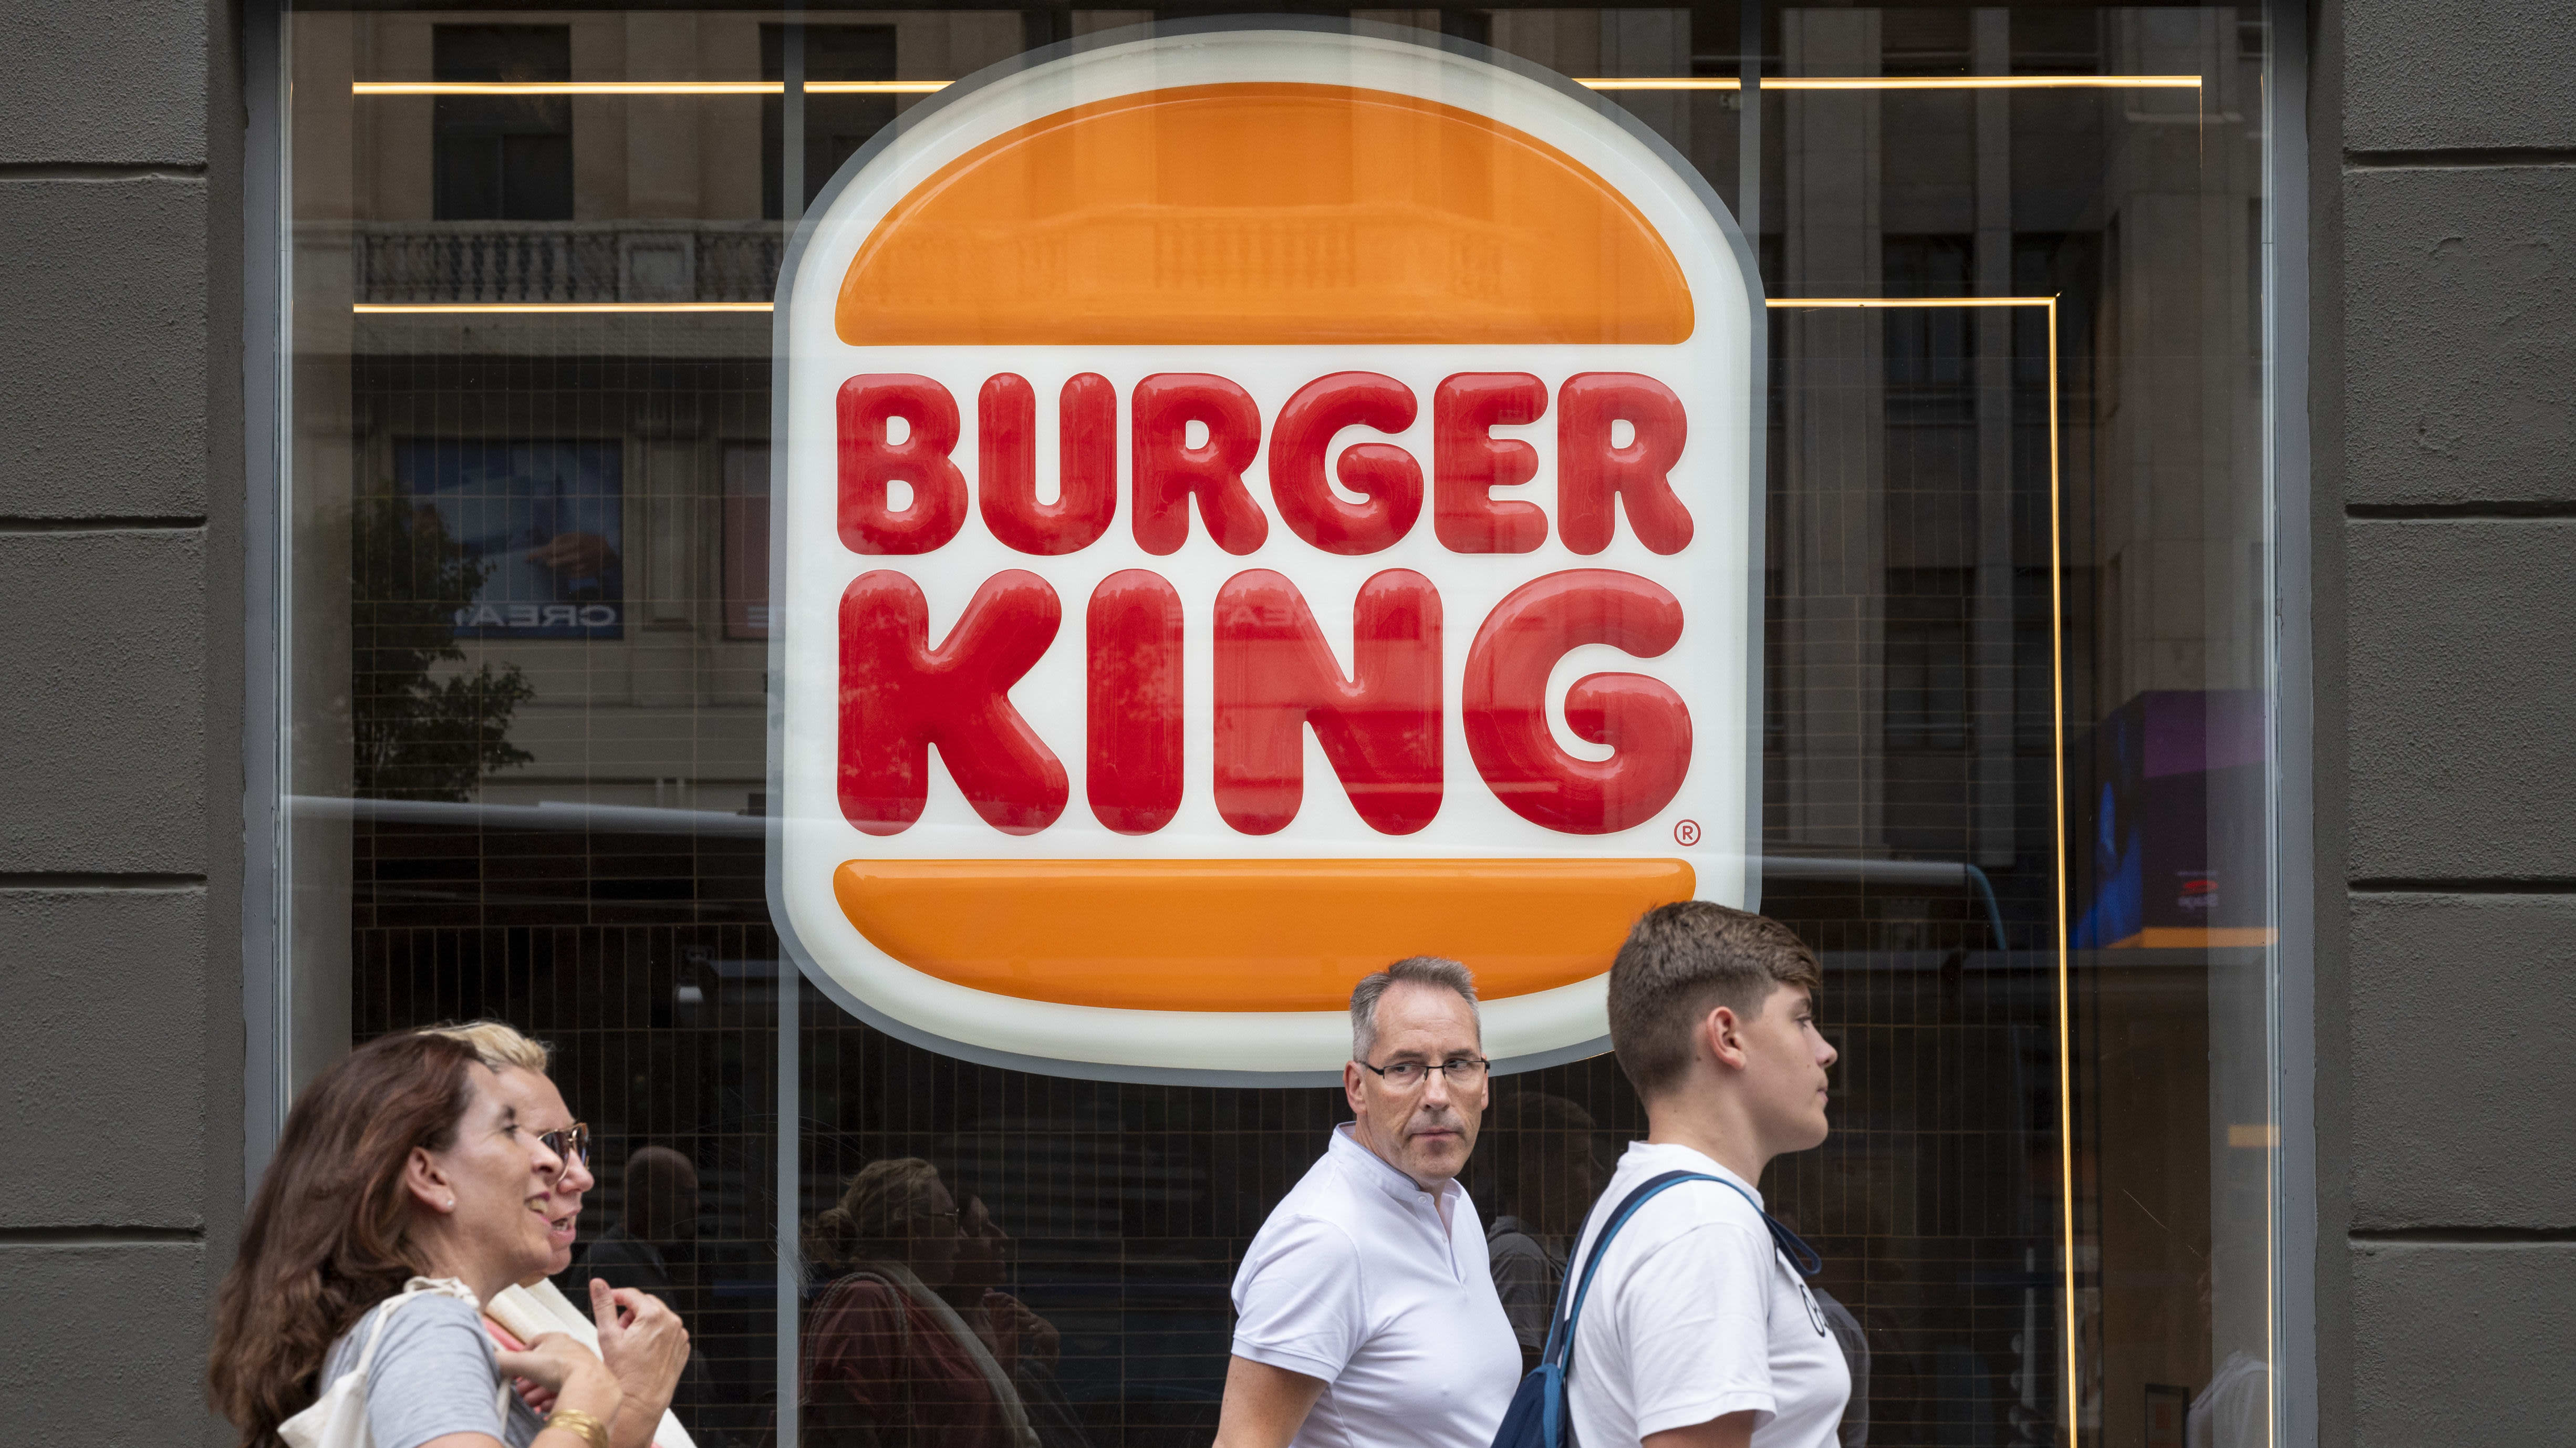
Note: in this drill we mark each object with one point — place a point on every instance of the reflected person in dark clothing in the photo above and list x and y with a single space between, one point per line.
1546 1171
888 1362
653 1248
1853 1339
979 1292
660 1217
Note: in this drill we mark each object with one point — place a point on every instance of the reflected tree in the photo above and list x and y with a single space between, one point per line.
421 730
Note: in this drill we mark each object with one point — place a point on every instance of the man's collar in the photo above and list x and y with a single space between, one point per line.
1377 1169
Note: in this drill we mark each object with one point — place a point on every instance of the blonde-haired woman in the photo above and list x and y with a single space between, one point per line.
887 1363
533 1307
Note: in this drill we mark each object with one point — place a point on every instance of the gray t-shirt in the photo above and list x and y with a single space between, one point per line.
434 1373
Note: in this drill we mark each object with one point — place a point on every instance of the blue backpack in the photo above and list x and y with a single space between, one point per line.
1537 1417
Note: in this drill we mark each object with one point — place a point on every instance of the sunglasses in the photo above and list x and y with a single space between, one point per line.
569 1145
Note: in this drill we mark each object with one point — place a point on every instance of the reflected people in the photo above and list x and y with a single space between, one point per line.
1853 1430
659 1219
652 1247
1853 1339
887 1362
1545 1175
1015 1334
2235 1410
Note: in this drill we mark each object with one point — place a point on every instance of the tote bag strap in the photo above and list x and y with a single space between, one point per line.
422 1287
416 1287
384 1313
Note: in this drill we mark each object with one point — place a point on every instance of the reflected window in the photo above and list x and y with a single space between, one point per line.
836 124
503 158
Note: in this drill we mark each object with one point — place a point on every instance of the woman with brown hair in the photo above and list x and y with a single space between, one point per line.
887 1362
409 1167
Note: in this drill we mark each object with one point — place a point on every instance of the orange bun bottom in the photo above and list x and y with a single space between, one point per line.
1247 935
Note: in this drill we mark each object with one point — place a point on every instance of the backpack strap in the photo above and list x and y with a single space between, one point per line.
1560 1332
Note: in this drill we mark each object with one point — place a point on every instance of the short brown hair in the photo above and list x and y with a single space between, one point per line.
1682 961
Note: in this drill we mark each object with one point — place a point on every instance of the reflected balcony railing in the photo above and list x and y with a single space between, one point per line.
423 262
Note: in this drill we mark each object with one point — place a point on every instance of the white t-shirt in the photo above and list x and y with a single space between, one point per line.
1695 1314
1357 1280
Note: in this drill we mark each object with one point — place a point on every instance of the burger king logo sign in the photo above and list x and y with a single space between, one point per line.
1254 504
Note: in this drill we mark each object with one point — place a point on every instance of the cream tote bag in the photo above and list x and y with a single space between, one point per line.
338 1418
532 1312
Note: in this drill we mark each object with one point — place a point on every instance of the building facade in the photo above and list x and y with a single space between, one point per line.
2148 460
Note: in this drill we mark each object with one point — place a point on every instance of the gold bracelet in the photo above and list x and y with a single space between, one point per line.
574 1420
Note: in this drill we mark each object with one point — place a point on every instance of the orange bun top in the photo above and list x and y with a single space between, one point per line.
1266 213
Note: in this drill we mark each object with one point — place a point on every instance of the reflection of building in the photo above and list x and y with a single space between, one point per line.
409 200
1909 678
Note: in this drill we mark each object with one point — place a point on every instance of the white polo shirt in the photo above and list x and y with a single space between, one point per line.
1356 1280
1695 1314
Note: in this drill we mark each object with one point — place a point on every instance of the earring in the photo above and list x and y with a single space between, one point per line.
449 1206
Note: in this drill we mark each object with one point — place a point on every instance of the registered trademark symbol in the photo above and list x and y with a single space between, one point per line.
1686 833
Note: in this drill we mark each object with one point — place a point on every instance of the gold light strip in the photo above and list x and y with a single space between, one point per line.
2065 1012
640 87
577 308
2057 719
1599 83
1880 303
1894 82
545 309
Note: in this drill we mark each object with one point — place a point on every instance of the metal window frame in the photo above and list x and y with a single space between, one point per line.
266 1004
2286 307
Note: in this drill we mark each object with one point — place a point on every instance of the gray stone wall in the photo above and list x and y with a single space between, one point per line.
2445 306
120 692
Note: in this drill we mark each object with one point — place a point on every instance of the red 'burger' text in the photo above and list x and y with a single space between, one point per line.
1383 726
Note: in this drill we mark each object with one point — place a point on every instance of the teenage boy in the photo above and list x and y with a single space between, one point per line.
1698 1332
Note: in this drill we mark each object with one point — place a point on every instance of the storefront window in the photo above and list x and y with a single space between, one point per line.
1998 727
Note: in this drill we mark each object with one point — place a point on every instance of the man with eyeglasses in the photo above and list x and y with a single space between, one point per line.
1365 1309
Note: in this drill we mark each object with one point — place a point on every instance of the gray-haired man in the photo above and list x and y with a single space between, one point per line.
1365 1310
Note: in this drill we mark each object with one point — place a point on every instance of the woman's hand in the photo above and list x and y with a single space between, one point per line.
540 1400
558 1363
1019 1332
644 1344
